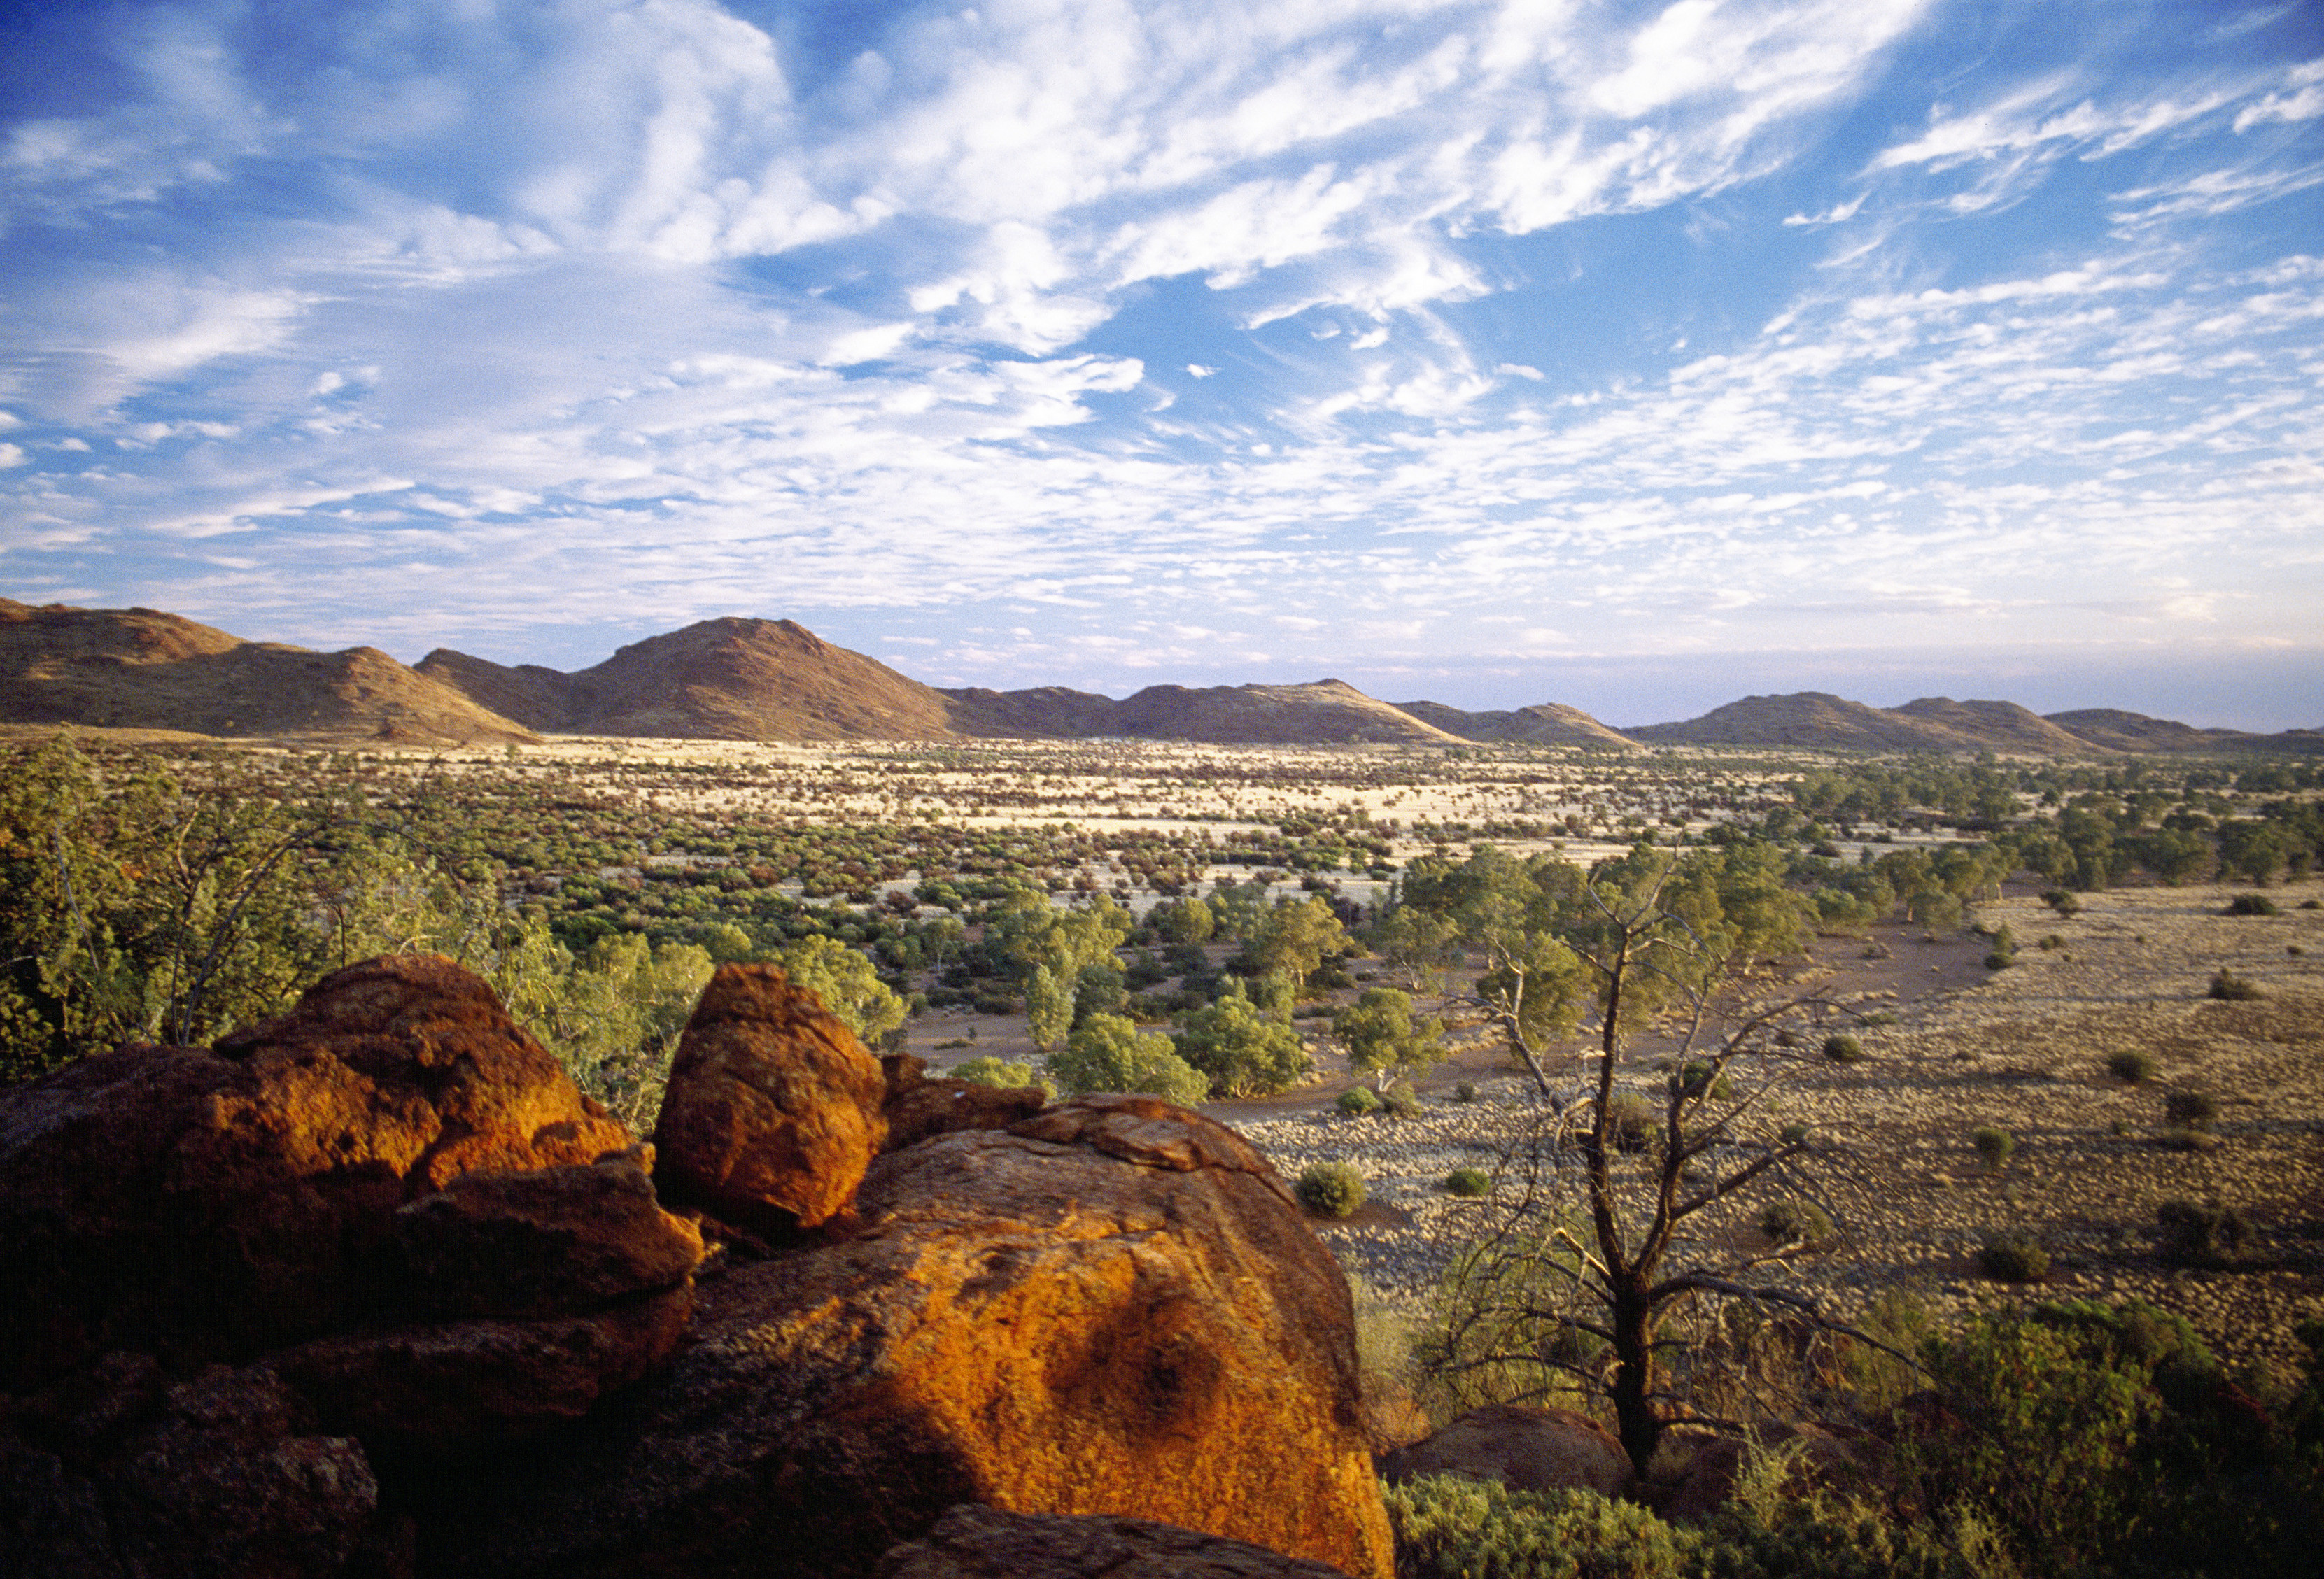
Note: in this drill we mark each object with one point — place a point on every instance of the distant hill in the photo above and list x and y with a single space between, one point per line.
142 669
1548 723
736 679
718 680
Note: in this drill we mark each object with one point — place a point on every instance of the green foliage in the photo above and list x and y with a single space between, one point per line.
2012 1258
1450 1526
1295 937
1108 1053
2131 1066
1242 1053
1331 1189
993 1071
1469 1182
1183 921
1400 1102
1795 1222
1048 1007
1993 1146
1381 1036
1700 1077
1843 1048
1632 1122
847 984
2253 904
1359 1100
1465 1091
2195 1110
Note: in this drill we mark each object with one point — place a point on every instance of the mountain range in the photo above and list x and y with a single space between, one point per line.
736 679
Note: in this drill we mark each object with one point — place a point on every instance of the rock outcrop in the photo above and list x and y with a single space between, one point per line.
1113 1308
970 1542
773 1108
1526 1449
371 1290
208 1205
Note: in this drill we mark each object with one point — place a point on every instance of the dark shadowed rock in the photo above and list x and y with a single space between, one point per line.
971 1542
453 1387
220 1477
1525 1449
772 1111
1113 1308
208 1205
503 1244
917 1107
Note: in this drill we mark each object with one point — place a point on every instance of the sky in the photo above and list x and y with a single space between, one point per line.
1629 356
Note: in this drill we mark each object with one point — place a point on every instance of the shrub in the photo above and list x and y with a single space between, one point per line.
1994 1146
2012 1258
2252 904
2062 901
2227 985
1997 961
993 1071
2191 1109
2312 905
1843 1048
1630 1121
1466 1091
2131 1066
1795 1222
1695 1078
1331 1189
1401 1102
1358 1100
1450 1526
1880 1017
1469 1182
2200 1235
1792 1134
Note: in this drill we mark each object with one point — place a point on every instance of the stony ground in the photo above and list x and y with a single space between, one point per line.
2023 1050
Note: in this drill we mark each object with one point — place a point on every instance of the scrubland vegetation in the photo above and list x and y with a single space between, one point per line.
1705 1149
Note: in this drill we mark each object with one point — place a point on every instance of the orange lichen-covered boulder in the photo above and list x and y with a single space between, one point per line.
1114 1308
917 1107
1525 1449
773 1108
206 1205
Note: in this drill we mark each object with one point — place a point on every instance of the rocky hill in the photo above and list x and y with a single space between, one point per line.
717 680
2134 731
1548 723
1819 721
142 669
1325 712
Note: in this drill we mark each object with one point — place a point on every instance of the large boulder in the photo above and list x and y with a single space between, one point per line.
1114 1308
772 1110
211 1204
970 1542
1525 1449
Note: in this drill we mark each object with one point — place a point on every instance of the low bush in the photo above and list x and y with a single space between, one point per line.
2062 901
2252 904
2191 1109
1401 1102
2196 1233
2012 1258
993 1071
1997 961
1792 1134
1331 1189
1470 1181
2233 988
1696 1079
1450 1526
1466 1091
1631 1121
1359 1100
1843 1048
2131 1066
1994 1146
1795 1222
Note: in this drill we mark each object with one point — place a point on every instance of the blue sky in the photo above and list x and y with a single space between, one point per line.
1629 356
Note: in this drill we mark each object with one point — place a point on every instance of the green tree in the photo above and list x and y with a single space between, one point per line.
1048 1008
1382 1038
846 983
1110 1054
1295 936
1241 1051
1183 921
